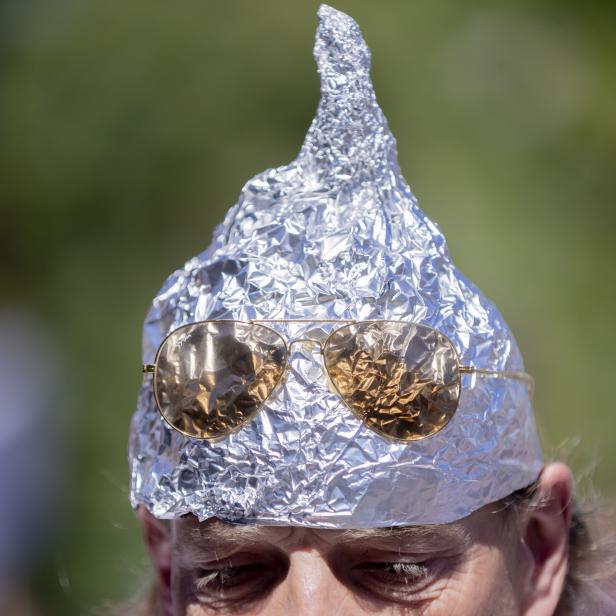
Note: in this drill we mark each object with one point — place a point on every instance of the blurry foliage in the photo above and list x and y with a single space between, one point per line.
128 129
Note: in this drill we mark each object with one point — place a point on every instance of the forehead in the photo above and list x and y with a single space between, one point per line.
484 526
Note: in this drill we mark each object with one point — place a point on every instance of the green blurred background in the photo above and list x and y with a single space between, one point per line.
128 129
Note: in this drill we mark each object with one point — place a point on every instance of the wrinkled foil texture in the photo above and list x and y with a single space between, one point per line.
336 234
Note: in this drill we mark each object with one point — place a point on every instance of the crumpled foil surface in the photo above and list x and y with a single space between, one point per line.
336 234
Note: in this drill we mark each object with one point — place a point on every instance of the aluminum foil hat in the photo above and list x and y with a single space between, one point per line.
336 234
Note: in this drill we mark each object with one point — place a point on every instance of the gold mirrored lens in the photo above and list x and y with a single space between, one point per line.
212 377
400 379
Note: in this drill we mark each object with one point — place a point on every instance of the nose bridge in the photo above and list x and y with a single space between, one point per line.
311 586
307 341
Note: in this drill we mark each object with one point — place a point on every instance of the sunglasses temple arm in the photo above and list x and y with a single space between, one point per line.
503 374
147 368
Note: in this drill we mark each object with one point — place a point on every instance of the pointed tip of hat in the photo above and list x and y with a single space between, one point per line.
339 45
349 132
325 10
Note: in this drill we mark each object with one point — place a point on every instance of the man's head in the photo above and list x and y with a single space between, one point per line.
319 497
506 558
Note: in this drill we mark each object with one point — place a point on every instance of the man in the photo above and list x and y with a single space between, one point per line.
334 420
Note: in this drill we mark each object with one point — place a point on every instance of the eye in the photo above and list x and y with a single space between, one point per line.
226 584
400 573
402 582
227 577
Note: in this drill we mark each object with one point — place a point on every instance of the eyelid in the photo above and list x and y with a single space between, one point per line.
396 569
383 564
373 573
217 575
265 566
410 588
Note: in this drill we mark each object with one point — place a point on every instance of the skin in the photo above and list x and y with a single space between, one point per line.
485 564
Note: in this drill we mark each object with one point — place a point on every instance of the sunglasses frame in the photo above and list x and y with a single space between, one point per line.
460 369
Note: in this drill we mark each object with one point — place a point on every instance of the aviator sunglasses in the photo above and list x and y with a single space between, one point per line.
401 379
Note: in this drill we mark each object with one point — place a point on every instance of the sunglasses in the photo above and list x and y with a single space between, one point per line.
401 379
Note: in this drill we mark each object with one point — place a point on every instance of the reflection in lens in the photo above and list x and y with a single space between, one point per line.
400 379
212 377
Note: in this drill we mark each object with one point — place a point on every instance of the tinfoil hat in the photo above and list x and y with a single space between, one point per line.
336 234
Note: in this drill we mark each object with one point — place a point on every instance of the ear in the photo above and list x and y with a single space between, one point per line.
545 541
157 539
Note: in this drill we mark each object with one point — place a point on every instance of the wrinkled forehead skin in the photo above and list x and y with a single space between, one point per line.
336 234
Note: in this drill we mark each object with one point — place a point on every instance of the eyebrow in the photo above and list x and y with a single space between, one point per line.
423 537
215 534
216 531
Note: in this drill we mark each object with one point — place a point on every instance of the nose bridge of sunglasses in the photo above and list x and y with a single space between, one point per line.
309 345
306 343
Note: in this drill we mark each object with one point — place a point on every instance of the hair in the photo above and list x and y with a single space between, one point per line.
591 556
